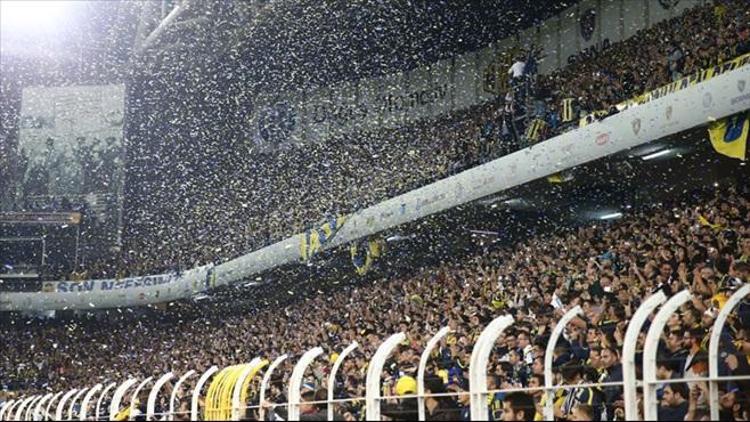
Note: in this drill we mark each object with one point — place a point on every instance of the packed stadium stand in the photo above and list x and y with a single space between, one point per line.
205 226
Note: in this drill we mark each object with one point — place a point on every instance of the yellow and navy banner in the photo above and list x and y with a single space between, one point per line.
567 110
678 85
313 240
364 257
729 135
535 130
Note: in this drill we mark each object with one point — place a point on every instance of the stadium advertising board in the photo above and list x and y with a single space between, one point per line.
109 284
471 79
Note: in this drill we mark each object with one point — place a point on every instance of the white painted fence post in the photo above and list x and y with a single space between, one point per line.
332 377
19 411
295 382
73 402
5 408
36 414
478 366
100 400
423 366
374 370
114 406
30 408
19 403
61 406
87 399
175 391
650 404
154 393
197 391
265 381
551 344
134 398
630 389
47 411
713 347
8 411
236 393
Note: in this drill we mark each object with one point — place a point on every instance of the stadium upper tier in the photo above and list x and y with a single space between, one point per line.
213 179
687 105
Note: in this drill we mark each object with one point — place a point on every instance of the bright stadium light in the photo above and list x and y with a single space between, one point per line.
32 15
656 154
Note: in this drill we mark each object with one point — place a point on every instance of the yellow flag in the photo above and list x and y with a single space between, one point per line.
555 178
729 135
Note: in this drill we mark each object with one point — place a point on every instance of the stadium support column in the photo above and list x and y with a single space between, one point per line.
423 365
372 382
640 316
295 382
162 27
551 344
478 366
713 348
650 403
332 377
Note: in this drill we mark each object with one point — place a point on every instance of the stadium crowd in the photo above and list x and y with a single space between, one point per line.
283 192
702 244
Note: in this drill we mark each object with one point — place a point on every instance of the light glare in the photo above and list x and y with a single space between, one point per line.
32 15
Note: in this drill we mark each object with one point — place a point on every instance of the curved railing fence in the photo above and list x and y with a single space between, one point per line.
222 394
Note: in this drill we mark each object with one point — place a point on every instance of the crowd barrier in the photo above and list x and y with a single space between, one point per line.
225 397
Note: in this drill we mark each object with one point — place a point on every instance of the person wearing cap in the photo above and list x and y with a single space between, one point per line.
404 409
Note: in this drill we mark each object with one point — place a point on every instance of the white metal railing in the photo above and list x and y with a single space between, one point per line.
31 407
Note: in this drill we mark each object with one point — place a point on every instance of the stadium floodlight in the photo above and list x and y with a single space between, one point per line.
656 154
32 14
611 216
